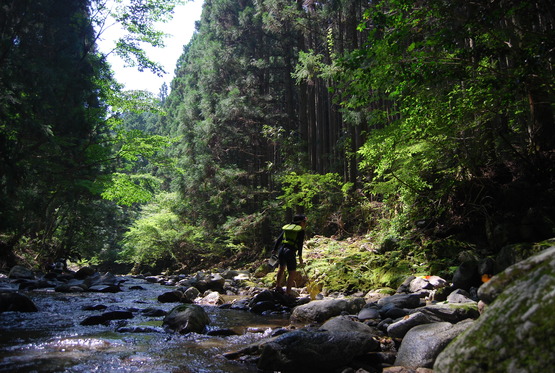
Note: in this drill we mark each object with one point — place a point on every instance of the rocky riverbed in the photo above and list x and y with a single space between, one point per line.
212 322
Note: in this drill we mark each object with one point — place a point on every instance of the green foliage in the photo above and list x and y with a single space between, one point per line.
127 189
158 233
311 191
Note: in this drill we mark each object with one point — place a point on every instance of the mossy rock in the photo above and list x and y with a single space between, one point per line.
515 333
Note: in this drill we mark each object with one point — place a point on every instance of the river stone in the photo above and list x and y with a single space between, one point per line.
84 272
20 272
173 296
213 298
459 296
423 343
322 310
190 294
401 301
369 311
346 324
314 351
400 328
515 332
187 318
16 302
451 312
418 284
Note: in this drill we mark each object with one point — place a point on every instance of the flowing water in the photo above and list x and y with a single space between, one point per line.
52 339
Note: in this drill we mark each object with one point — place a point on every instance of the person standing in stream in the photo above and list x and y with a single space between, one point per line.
287 246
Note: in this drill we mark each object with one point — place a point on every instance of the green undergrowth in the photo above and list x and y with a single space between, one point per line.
357 264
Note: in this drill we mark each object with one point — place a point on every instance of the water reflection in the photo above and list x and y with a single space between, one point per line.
52 340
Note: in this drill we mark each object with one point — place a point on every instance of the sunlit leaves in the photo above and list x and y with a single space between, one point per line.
128 189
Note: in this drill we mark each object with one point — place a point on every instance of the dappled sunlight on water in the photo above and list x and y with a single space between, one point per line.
52 340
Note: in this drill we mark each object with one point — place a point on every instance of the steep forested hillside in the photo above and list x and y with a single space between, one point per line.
421 123
424 120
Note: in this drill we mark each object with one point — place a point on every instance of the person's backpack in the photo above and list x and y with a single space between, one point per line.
290 234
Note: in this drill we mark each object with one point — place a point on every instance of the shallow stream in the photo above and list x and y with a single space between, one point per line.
52 339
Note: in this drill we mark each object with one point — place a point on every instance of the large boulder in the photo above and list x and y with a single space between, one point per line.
322 310
187 318
423 343
304 351
515 332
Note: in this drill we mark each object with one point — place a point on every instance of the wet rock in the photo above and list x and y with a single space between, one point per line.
213 298
174 296
322 310
314 351
104 288
136 287
187 318
422 344
139 329
241 305
94 320
20 272
515 332
106 317
96 307
117 315
154 279
154 312
16 302
191 294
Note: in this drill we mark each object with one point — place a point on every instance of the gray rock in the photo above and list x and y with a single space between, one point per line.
187 318
314 351
173 296
20 272
346 324
515 332
459 296
401 300
400 328
423 343
451 312
191 294
369 311
419 284
322 310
